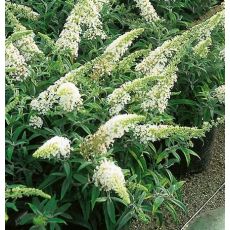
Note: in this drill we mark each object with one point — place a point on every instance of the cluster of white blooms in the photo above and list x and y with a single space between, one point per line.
146 133
98 143
48 98
207 126
157 97
121 96
220 93
25 43
22 11
86 13
15 63
70 36
157 59
56 147
92 21
62 93
110 177
28 47
202 48
108 60
147 10
35 122
69 96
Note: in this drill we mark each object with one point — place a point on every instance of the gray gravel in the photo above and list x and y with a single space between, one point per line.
198 189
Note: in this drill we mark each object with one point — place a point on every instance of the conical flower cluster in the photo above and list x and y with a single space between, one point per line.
56 147
21 191
108 60
99 143
219 93
146 133
110 177
147 10
15 63
86 13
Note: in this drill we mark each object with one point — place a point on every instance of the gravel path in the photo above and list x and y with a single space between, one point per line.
198 189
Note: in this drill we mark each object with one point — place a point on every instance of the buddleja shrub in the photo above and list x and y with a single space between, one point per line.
91 131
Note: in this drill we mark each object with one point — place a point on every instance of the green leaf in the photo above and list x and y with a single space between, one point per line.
101 199
111 210
65 187
66 168
56 220
80 178
124 219
85 164
136 158
186 154
182 102
94 195
179 204
157 203
162 156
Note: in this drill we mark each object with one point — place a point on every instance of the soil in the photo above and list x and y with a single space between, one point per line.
198 189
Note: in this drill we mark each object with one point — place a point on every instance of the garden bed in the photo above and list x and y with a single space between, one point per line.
199 188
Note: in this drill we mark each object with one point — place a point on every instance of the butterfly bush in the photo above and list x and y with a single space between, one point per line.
85 13
35 122
148 132
21 191
56 147
219 93
16 63
110 177
159 64
147 10
108 60
99 142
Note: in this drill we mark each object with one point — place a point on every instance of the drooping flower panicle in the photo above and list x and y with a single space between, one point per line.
56 147
26 44
69 96
147 10
105 63
62 93
15 63
21 191
110 177
22 11
99 143
146 133
86 13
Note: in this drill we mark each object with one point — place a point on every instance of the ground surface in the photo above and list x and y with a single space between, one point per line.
198 189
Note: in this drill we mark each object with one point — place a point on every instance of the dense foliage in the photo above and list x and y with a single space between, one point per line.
102 98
